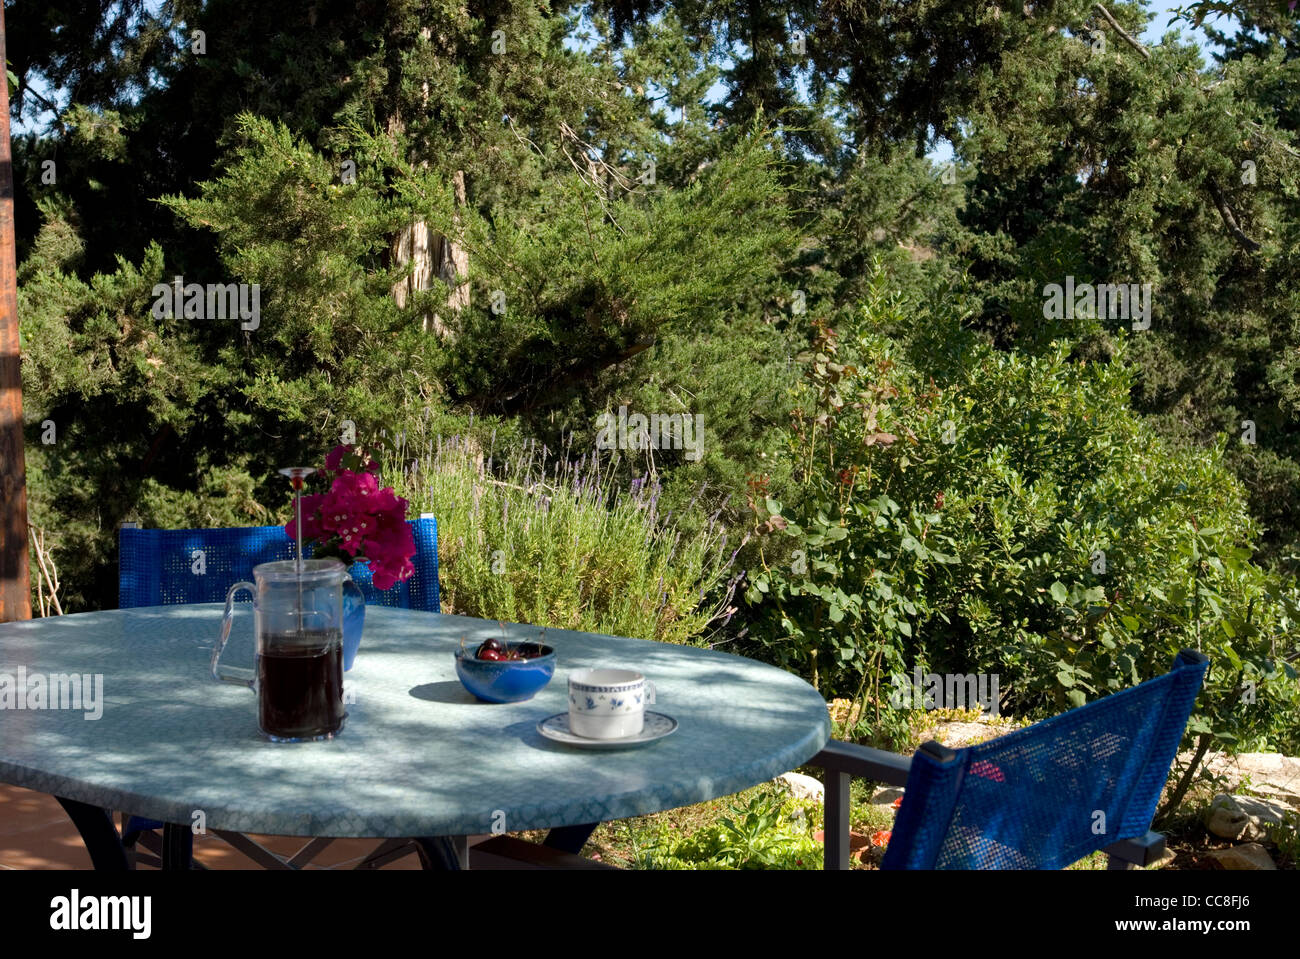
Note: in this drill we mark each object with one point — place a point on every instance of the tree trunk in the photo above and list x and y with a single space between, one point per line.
431 254
15 586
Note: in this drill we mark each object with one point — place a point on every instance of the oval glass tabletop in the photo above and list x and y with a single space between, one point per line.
418 756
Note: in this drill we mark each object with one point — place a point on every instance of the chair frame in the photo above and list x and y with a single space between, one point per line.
842 761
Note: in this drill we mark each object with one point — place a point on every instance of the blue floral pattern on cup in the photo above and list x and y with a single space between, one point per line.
608 703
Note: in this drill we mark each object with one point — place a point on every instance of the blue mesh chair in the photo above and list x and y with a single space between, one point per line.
1037 798
159 567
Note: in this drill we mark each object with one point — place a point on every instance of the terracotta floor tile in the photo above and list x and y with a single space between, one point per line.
22 809
35 833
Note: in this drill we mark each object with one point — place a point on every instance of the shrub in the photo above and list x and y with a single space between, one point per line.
537 537
770 831
968 510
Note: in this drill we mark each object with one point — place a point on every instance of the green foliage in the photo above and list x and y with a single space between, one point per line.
539 538
770 831
967 510
1121 167
593 268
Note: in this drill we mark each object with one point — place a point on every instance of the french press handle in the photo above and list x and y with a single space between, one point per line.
232 674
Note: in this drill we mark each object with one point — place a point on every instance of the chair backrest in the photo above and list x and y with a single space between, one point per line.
158 567
1047 795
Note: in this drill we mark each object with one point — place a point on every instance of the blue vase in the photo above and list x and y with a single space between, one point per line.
354 618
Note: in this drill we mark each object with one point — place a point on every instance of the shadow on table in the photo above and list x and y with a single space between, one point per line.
449 691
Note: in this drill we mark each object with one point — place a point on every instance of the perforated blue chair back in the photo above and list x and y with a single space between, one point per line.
159 567
1047 795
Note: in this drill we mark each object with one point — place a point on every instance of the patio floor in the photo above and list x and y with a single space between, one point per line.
35 833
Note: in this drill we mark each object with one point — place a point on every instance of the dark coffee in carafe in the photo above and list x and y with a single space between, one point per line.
298 622
300 680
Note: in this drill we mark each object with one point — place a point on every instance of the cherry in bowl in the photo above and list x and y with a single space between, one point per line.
505 672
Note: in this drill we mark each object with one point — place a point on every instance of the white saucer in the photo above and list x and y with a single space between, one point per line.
657 726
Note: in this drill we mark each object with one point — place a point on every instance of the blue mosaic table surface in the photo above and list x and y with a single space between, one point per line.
418 756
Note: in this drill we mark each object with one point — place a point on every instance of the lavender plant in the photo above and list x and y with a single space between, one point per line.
548 537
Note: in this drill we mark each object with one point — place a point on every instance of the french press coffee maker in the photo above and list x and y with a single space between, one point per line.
298 622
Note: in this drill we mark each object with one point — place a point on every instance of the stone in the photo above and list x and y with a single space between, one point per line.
1228 820
1249 855
802 787
1246 817
956 735
886 796
1265 774
1265 812
1165 859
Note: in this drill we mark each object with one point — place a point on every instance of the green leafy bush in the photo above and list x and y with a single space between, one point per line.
533 536
970 511
770 831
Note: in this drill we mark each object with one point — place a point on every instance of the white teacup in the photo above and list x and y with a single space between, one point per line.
608 703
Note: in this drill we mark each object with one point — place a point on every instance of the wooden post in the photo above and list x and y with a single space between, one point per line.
15 587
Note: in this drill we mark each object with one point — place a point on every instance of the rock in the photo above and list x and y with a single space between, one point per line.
1165 859
1264 812
1228 820
1265 774
955 735
886 796
1245 817
1249 855
802 787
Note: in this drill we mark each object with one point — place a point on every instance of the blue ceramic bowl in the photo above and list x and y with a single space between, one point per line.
505 680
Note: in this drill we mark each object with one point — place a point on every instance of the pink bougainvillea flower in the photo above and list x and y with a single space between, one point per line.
311 526
386 501
387 573
390 548
334 460
897 802
350 528
988 771
362 520
881 837
347 508
353 491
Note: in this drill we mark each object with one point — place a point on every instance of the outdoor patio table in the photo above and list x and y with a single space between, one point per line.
419 758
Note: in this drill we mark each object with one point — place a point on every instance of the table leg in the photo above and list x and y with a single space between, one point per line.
442 853
177 846
570 839
98 833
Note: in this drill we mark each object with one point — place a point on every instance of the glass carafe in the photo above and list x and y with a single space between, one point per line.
298 621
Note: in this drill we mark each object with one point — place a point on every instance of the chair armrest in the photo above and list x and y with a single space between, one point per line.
842 762
863 762
1140 851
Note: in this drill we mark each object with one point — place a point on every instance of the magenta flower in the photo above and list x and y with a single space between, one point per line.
353 491
390 548
334 460
361 520
311 527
